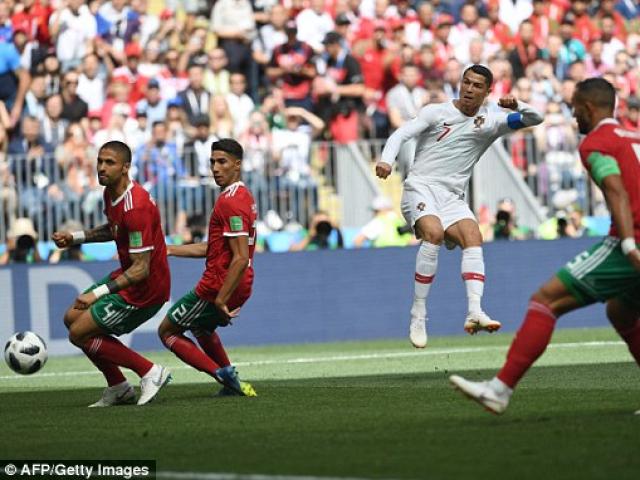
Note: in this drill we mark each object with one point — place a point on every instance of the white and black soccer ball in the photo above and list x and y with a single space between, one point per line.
25 353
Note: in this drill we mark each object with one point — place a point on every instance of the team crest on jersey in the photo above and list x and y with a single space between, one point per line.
421 206
478 122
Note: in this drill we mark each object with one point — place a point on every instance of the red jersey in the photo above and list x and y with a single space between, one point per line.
610 138
134 220
234 214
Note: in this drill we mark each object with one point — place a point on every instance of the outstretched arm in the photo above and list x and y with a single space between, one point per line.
99 234
193 250
524 115
411 129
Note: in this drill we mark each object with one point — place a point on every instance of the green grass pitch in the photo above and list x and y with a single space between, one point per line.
358 410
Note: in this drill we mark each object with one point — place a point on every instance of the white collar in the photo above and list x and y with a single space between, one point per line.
119 199
237 184
606 121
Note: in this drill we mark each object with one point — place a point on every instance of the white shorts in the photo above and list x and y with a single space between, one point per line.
419 200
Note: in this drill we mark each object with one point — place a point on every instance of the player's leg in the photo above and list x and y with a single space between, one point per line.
429 229
118 391
112 315
546 305
466 233
212 345
196 314
597 274
625 318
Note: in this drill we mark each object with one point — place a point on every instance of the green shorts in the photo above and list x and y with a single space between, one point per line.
602 273
195 314
115 315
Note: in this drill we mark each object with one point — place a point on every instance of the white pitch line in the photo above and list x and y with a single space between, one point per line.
239 476
342 358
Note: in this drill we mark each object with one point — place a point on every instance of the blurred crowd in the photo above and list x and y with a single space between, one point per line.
169 76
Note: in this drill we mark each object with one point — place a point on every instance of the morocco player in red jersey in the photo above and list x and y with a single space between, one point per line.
608 272
129 296
227 279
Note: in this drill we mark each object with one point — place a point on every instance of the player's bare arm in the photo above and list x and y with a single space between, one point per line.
239 263
194 250
619 206
98 234
136 273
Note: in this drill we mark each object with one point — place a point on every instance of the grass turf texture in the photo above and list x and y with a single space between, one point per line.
370 410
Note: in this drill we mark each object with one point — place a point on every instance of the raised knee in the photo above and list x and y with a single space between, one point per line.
69 318
434 236
75 335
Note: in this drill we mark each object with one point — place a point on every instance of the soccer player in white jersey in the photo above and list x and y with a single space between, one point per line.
451 137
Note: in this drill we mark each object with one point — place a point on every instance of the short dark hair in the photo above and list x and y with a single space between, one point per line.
481 70
598 91
121 149
230 146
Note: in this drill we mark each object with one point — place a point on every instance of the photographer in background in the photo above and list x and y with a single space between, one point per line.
21 243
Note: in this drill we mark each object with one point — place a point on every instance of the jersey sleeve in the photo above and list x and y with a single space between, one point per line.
235 218
427 118
598 160
139 231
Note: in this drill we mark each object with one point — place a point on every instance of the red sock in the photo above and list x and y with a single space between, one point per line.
632 337
110 371
530 342
188 352
212 346
110 349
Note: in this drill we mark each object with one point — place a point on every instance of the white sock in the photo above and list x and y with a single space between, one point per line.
426 266
500 387
473 276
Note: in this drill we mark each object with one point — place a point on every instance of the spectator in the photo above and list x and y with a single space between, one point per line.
463 32
35 98
608 8
240 104
585 30
233 23
291 69
130 73
340 89
14 81
92 82
21 243
420 31
221 119
115 15
216 77
157 162
172 79
32 166
573 49
198 149
53 126
257 144
195 98
74 109
525 52
153 104
291 150
384 229
322 235
72 28
314 23
6 27
270 35
611 44
543 25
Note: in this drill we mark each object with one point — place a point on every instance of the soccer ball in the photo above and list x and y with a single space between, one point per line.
25 353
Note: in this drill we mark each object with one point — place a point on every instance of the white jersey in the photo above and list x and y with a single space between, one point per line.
449 143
